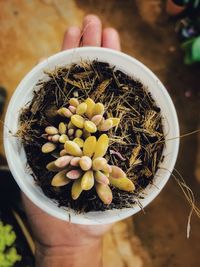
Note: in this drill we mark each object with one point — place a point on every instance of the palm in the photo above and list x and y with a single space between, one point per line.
50 231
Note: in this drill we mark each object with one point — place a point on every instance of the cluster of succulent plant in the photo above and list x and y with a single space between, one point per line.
81 159
81 120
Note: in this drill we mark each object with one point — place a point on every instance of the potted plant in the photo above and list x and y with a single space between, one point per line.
92 125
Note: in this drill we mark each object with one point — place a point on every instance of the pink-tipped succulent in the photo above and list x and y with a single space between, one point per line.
86 167
81 121
81 156
88 116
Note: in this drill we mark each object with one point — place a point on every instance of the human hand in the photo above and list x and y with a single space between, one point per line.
59 243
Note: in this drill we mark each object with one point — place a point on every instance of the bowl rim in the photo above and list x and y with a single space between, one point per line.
20 88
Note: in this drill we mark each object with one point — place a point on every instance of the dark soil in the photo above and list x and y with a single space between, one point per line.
140 126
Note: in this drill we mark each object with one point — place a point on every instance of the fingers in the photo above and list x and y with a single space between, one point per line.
71 38
92 31
111 39
92 35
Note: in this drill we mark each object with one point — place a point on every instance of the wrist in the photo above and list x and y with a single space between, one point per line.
66 256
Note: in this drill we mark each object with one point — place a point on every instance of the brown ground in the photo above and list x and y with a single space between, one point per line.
33 29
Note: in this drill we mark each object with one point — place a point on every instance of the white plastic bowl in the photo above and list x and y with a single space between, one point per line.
16 155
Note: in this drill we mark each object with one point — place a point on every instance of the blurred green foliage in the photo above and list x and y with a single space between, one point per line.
8 253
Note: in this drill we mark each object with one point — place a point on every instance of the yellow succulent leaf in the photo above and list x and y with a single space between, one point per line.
89 146
48 147
78 133
100 177
99 163
81 109
101 146
90 127
77 120
104 193
98 109
52 167
79 141
60 179
76 189
87 180
117 172
62 128
72 148
63 138
51 130
85 163
74 102
105 125
90 105
124 184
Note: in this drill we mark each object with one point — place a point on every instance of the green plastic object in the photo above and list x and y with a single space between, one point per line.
8 253
192 50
